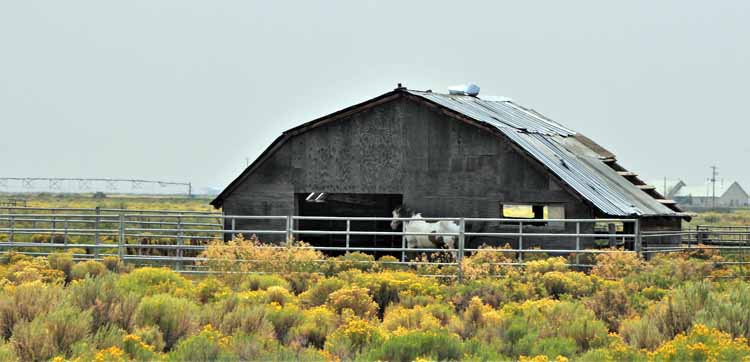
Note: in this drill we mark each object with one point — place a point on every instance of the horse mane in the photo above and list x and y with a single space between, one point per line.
405 211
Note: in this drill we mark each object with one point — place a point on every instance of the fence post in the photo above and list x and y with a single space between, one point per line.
121 238
12 226
696 236
180 242
97 241
520 241
461 247
54 227
289 225
65 232
234 227
578 243
348 229
403 245
638 238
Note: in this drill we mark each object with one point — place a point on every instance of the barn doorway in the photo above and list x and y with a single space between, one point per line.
348 205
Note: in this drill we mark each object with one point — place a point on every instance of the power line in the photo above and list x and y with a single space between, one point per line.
56 183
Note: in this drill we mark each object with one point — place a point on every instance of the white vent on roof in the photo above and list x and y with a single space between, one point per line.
469 89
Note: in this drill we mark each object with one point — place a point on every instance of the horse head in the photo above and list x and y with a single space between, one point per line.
400 212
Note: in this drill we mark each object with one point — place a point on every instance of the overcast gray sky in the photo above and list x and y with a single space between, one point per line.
187 90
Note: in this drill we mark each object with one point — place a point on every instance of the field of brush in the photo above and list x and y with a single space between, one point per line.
293 303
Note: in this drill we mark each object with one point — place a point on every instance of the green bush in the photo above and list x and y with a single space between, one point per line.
300 282
641 333
150 335
262 282
112 263
249 320
50 334
279 295
436 345
610 304
31 342
284 319
208 290
729 312
208 345
27 301
554 346
62 262
175 317
672 315
319 292
88 268
493 291
7 353
107 303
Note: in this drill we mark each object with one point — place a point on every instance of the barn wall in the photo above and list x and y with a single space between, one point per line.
441 166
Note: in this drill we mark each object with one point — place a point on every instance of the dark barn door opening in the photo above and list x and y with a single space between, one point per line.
349 205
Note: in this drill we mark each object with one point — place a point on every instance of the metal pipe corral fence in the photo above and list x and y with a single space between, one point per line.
175 238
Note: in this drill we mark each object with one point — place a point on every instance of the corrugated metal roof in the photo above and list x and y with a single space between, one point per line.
552 144
501 114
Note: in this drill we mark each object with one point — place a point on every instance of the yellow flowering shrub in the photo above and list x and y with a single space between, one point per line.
279 295
416 318
617 264
355 299
352 337
487 262
242 255
150 281
318 323
112 354
542 266
703 344
385 287
32 269
575 284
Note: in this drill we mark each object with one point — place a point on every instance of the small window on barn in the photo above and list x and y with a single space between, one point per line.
521 211
535 212
316 197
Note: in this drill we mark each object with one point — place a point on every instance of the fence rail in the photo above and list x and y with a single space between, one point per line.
176 238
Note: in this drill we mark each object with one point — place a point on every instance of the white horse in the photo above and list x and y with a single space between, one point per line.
436 230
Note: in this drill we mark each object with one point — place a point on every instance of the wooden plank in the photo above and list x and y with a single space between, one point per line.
667 202
627 173
646 187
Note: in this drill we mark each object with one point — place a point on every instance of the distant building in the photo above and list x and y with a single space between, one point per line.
702 196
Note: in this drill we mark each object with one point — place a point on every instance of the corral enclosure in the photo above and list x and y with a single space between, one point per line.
402 147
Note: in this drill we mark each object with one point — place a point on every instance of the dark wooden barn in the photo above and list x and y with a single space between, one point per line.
445 156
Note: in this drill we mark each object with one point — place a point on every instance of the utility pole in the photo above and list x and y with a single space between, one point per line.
713 187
